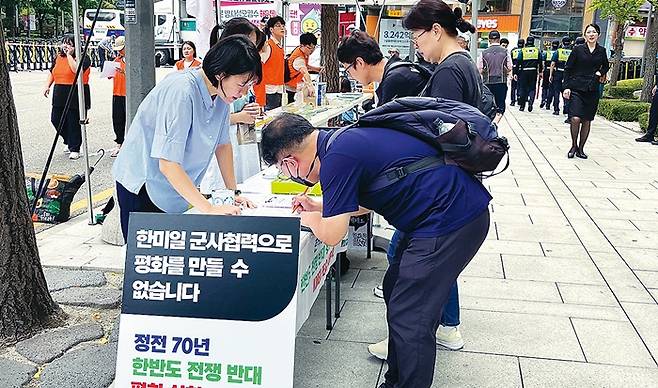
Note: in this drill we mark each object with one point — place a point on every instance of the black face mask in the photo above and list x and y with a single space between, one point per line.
303 181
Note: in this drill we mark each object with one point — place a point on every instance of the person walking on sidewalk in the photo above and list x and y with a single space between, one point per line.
119 95
584 72
650 136
558 62
62 74
547 94
495 65
514 84
529 68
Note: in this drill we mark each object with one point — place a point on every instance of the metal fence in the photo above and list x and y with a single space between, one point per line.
38 55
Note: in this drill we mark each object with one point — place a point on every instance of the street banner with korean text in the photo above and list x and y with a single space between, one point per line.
203 297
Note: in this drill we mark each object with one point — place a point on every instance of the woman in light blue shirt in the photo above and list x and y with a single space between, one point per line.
181 124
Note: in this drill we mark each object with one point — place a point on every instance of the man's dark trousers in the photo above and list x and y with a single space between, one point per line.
413 289
500 93
527 87
653 116
514 91
557 91
546 89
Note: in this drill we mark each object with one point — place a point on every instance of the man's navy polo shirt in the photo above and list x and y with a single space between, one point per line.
431 203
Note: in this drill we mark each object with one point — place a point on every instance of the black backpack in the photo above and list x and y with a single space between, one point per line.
423 71
471 140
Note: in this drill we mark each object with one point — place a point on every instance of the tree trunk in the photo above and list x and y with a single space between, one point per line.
618 47
25 303
329 45
650 59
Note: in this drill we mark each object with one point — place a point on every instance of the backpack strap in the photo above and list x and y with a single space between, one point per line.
394 175
411 65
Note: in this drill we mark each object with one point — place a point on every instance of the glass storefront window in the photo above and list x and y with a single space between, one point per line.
553 18
492 6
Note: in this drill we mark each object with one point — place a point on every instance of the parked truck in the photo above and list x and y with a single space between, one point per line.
169 29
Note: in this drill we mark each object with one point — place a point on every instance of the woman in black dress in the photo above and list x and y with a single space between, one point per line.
586 68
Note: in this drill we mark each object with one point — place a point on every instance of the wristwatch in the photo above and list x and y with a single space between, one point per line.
237 193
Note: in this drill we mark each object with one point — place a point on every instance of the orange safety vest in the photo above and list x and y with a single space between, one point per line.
296 76
180 65
63 75
259 91
120 78
273 68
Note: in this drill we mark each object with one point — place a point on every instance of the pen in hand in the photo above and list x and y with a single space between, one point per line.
294 208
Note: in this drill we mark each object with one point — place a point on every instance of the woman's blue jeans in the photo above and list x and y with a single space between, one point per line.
450 316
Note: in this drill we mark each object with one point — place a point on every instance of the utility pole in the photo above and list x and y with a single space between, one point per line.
83 110
140 54
646 39
475 5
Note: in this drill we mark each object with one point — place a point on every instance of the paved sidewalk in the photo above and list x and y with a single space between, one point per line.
563 293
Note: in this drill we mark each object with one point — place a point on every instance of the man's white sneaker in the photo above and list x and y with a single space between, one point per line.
449 337
378 291
380 349
74 155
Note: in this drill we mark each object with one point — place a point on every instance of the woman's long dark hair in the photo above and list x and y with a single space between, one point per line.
425 13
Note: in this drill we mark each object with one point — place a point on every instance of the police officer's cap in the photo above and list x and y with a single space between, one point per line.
530 41
566 40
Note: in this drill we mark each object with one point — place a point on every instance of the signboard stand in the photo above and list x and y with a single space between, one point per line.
202 295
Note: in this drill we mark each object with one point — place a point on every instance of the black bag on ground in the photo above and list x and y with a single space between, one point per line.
460 132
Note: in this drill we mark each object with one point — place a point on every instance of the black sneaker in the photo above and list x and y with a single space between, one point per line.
521 108
512 103
645 139
529 108
541 105
567 120
556 113
654 142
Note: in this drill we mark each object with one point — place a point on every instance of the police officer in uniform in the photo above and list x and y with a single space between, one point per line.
558 62
547 94
515 83
529 67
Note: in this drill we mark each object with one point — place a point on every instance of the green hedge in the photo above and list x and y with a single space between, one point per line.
643 119
622 110
635 83
624 92
624 88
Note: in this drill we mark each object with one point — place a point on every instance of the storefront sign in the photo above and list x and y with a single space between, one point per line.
503 23
202 295
636 33
393 36
394 13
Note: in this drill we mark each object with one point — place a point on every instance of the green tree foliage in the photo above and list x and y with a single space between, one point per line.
621 12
